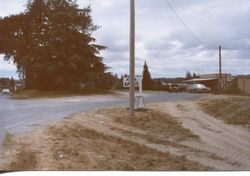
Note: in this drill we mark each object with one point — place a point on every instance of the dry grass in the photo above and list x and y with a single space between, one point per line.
79 148
8 140
107 140
152 122
20 157
24 160
232 109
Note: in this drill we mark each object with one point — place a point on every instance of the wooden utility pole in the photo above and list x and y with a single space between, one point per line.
220 74
132 60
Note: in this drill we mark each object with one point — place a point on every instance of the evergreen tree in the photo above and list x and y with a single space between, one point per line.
195 75
147 82
188 75
52 46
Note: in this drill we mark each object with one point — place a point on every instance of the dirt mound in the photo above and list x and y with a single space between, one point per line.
111 140
152 122
87 149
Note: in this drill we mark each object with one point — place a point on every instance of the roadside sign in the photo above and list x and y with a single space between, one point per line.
138 79
138 83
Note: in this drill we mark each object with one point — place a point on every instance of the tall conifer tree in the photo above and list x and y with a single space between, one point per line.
147 82
52 46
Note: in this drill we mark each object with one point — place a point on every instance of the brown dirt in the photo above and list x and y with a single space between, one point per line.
96 151
168 136
25 159
101 141
152 122
227 145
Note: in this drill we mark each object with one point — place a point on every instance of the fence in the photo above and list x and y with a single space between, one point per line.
244 85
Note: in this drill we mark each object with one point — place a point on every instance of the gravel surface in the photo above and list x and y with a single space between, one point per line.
228 144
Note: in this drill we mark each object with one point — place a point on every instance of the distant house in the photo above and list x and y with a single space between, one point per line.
4 83
9 84
213 81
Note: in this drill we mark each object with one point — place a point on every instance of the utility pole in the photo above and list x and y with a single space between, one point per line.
220 75
132 60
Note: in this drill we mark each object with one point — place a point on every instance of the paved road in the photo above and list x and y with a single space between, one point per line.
17 116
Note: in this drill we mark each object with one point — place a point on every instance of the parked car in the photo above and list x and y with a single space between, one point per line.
198 88
182 87
179 87
173 88
5 91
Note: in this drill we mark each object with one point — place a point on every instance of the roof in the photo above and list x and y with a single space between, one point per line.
215 75
201 79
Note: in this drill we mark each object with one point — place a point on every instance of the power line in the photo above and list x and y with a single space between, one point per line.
184 24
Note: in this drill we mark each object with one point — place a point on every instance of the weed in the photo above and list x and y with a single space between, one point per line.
8 140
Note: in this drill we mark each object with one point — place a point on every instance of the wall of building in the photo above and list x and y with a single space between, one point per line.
213 84
221 84
244 85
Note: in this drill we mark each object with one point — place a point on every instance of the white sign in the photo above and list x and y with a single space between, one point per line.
138 79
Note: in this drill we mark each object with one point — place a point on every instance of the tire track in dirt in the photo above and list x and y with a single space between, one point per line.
226 141
103 125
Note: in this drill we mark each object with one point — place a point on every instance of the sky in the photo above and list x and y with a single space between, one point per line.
172 36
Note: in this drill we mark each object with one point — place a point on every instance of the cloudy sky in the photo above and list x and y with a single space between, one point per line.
170 47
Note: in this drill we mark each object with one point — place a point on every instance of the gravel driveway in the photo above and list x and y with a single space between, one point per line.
228 145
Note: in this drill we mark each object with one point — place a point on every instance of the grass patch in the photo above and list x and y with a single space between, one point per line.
233 109
30 94
8 140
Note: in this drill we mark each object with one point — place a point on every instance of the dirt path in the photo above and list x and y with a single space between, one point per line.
228 145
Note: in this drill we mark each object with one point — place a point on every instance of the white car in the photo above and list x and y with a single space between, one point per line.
5 91
198 88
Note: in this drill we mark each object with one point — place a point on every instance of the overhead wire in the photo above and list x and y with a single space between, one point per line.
185 25
188 29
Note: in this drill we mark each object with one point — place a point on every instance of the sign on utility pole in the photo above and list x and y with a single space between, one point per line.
132 60
126 81
137 83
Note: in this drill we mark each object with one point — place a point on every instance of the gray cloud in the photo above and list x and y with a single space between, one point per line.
162 40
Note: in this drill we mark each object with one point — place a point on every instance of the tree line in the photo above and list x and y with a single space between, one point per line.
52 46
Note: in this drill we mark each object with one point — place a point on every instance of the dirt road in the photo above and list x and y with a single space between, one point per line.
227 146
